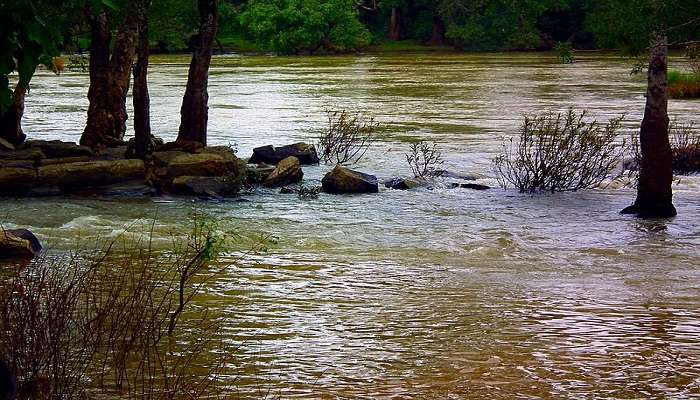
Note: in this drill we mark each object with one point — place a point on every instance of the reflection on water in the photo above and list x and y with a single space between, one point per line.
428 293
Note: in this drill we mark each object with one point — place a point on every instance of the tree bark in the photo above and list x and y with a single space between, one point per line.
142 101
11 119
395 24
195 108
654 192
439 30
110 75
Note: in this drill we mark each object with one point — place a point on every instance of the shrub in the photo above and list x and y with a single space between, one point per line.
309 192
424 159
104 322
347 138
685 147
684 85
565 51
560 152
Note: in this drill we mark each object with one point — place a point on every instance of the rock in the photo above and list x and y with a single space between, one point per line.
92 173
401 184
24 154
5 145
287 190
163 158
630 164
198 165
59 149
202 186
188 146
455 175
288 171
137 188
64 160
306 153
14 180
228 154
18 243
258 173
474 186
113 153
344 180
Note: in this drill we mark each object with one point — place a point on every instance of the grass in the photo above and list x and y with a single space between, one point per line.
684 85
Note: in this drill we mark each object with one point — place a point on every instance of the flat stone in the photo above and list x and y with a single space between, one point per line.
59 149
92 173
163 158
288 171
113 153
16 179
198 165
64 160
24 154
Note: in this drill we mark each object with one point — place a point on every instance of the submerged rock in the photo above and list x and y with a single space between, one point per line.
92 173
402 183
18 243
473 186
306 153
288 171
59 149
344 180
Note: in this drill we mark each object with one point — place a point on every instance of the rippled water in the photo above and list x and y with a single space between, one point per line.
427 293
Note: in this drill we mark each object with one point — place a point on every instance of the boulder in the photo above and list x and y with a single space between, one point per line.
257 173
202 164
344 180
288 171
18 243
90 174
59 149
211 186
306 153
401 184
64 160
16 179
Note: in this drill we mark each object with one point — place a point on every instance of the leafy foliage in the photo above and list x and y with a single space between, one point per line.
295 26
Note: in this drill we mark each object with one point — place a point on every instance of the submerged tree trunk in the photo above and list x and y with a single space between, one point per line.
654 193
142 101
195 108
110 75
11 119
395 24
439 30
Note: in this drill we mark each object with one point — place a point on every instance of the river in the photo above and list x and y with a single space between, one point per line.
427 293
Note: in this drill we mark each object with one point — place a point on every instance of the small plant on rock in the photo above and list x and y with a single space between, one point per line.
347 138
424 159
560 152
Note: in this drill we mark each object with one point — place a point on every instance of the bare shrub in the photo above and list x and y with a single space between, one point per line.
560 152
347 138
685 147
115 323
424 159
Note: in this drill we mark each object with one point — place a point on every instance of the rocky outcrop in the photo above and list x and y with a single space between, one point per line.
306 153
344 180
18 243
288 171
92 173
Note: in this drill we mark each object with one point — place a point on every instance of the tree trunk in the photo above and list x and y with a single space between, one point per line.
142 101
110 74
194 110
438 38
395 24
654 193
11 119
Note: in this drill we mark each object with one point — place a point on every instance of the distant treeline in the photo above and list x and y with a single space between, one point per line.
311 26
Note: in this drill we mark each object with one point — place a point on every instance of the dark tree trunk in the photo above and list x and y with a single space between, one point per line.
142 101
194 111
110 74
438 38
654 193
11 119
395 24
